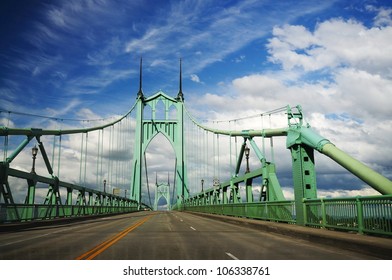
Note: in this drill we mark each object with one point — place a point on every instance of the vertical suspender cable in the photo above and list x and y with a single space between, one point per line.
122 182
236 144
81 159
59 157
272 143
101 158
53 150
6 139
85 162
118 147
262 138
110 165
98 158
5 148
231 154
217 144
213 152
198 156
207 167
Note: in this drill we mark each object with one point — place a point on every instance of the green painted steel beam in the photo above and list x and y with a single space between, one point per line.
308 136
54 181
45 156
239 161
21 146
368 175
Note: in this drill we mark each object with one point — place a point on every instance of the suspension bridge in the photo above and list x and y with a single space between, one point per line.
69 170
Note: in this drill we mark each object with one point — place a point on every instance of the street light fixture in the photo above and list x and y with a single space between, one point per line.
247 152
104 186
202 184
34 152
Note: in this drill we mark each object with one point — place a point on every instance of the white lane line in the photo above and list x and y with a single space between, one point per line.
232 256
38 236
193 228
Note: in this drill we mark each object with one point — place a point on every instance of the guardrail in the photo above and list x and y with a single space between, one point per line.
278 211
367 214
24 212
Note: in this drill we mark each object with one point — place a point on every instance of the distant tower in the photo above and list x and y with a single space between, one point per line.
162 190
171 126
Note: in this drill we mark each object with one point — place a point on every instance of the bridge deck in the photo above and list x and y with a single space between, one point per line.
178 235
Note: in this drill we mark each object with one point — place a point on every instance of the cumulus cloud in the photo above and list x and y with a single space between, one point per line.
340 73
333 43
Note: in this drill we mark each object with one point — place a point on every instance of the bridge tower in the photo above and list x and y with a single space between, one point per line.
162 190
170 124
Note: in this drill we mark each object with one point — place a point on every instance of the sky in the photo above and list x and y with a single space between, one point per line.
80 59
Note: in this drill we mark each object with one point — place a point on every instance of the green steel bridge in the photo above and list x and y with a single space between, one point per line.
226 168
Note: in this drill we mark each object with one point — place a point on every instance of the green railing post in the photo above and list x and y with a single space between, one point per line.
323 214
305 211
360 215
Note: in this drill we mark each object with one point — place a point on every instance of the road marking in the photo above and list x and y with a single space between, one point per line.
38 236
106 244
193 228
232 256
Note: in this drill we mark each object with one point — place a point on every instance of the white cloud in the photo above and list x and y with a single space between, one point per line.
340 74
239 59
333 43
218 34
195 78
383 17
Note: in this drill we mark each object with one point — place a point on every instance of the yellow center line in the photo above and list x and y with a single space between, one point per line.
106 244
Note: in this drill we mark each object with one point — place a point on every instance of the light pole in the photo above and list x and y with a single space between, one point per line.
247 152
104 185
202 185
34 152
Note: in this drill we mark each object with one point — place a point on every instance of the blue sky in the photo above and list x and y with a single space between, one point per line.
80 59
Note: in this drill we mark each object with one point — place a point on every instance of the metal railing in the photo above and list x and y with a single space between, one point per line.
278 211
367 214
24 212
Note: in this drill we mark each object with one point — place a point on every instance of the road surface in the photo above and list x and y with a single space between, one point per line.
160 236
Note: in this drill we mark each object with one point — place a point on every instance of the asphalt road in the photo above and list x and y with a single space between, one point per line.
159 236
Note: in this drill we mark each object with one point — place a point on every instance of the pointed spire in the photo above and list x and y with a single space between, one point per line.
180 95
140 92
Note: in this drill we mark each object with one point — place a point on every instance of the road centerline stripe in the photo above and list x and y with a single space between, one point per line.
232 256
89 255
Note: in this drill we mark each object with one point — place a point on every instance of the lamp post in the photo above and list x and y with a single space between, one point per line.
202 185
247 152
34 152
104 185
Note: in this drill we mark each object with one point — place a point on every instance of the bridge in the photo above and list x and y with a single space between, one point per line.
86 189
